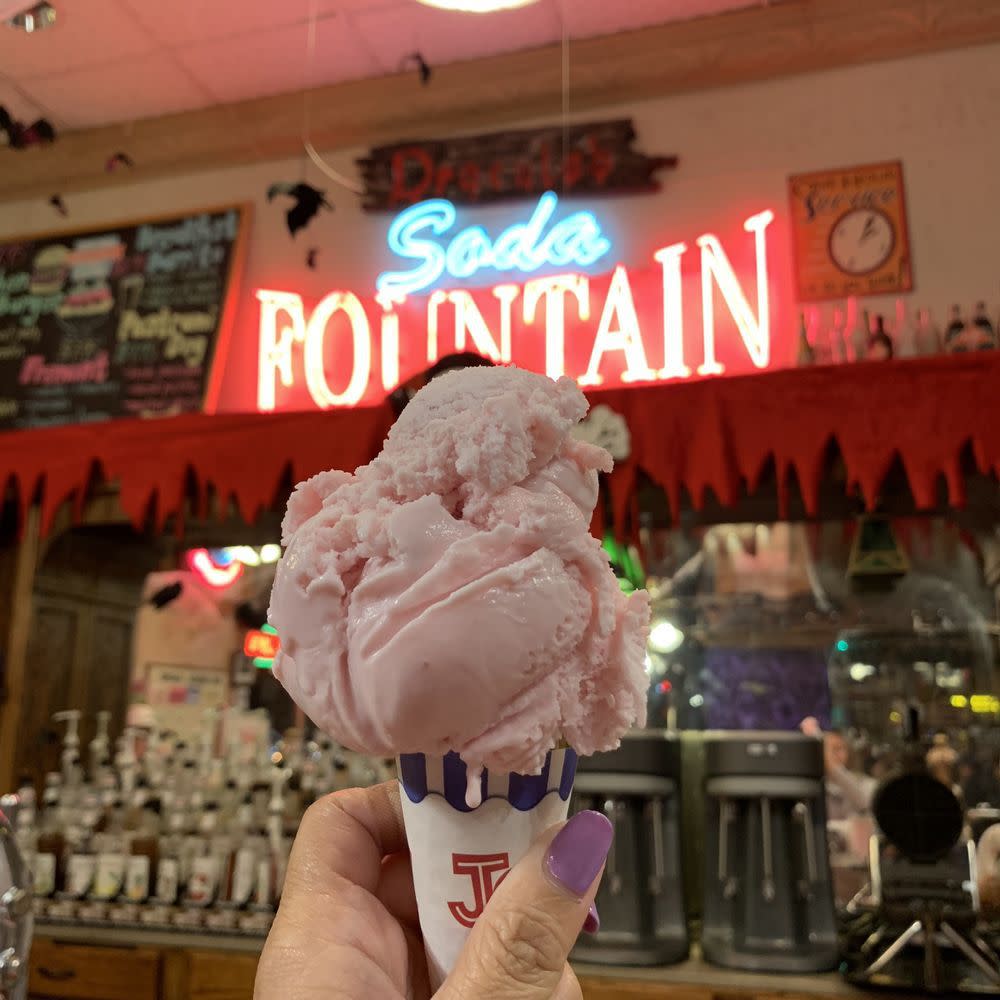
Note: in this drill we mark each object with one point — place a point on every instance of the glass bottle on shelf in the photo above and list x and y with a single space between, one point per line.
928 336
228 803
263 898
987 337
81 862
51 843
204 871
26 837
837 337
905 333
859 334
238 885
26 792
953 331
99 746
136 804
140 872
112 849
168 784
168 870
260 792
880 343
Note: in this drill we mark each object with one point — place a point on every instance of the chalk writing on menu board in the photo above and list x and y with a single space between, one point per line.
115 323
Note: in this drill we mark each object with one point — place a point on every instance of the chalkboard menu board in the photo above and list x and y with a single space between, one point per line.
118 322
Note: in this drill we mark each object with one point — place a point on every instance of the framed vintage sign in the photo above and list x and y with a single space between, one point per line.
849 232
180 695
589 158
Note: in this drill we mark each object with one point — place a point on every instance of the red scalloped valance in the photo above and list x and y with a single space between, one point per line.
712 433
718 433
157 463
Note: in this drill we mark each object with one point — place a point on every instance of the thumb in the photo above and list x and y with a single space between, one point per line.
519 946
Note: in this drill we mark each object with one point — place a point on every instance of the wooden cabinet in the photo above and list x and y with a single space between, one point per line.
617 989
80 639
614 988
215 976
170 966
83 972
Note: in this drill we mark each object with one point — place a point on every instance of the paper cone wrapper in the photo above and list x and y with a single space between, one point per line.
460 855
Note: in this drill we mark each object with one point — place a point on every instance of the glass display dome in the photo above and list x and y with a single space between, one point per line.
784 627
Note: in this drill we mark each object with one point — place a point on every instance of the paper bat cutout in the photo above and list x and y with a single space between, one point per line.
21 136
118 160
247 616
308 201
166 595
311 258
59 205
423 67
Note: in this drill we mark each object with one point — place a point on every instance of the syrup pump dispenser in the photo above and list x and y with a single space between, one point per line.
126 761
70 757
99 746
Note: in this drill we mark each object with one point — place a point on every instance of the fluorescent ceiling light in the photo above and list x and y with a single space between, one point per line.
477 6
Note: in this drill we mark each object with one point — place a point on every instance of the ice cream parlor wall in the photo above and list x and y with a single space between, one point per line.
819 767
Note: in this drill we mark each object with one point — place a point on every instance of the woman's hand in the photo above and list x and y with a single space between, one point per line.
347 928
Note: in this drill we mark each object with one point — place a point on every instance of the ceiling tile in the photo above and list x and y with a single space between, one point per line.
586 18
353 6
17 103
182 22
86 33
279 61
444 36
105 60
119 91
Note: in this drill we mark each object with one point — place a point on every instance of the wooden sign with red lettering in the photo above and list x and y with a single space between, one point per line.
589 159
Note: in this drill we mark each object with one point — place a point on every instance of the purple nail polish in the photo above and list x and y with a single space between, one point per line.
593 922
578 851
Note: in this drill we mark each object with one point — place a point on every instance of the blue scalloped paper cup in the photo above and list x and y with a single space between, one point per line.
461 854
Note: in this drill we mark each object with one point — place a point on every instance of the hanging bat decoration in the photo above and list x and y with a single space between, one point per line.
311 258
59 205
308 201
117 160
423 67
166 595
21 136
247 616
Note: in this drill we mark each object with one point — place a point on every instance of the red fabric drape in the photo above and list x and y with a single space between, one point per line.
715 433
695 435
155 461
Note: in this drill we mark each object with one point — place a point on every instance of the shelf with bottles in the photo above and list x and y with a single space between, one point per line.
171 834
850 333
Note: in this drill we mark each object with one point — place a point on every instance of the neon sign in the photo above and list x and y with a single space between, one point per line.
631 326
576 241
216 567
261 646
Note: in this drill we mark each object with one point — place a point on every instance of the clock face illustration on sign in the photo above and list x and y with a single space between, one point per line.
862 240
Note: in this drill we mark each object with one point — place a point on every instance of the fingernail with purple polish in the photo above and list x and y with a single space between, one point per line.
593 922
578 851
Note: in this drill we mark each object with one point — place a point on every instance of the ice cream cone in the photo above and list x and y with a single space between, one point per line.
460 853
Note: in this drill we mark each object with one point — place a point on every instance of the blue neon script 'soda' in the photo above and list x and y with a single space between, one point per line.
416 235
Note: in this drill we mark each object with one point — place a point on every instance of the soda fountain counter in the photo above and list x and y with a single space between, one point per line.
810 812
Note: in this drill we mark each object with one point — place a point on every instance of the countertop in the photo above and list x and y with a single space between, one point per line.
694 972
149 937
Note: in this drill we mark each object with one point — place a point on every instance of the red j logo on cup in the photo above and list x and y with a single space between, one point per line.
487 871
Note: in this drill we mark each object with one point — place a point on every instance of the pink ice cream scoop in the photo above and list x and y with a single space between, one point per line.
450 596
